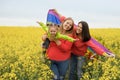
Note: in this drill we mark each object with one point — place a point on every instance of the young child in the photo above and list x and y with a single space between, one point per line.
58 35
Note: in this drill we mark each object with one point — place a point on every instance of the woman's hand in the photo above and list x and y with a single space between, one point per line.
56 12
108 55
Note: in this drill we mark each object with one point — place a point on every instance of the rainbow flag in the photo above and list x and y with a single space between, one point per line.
53 17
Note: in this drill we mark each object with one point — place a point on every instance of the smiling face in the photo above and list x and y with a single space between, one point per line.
83 31
67 25
79 29
53 30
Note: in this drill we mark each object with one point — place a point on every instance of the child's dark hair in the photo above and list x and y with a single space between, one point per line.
85 31
52 24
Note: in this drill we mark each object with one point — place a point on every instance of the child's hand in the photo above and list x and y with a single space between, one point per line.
44 37
37 22
40 23
76 40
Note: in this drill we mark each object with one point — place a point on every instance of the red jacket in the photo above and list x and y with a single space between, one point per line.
79 48
61 52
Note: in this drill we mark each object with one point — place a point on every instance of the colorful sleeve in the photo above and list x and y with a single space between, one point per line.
62 18
95 48
44 27
65 37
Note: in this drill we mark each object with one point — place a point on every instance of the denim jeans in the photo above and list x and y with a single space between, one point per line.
76 65
59 69
81 62
73 68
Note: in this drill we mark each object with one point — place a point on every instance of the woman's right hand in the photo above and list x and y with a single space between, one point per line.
108 55
56 12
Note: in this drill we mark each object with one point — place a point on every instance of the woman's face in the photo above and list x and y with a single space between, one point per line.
67 24
79 28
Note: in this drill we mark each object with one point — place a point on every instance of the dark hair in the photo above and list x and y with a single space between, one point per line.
52 24
85 31
56 27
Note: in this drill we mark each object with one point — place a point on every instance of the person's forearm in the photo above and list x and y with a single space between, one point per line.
65 37
58 42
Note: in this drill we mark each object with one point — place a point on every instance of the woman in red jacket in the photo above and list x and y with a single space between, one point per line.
59 50
79 49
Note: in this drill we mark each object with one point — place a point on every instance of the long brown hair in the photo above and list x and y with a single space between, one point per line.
68 31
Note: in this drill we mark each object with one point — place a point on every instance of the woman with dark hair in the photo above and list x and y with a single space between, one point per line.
79 49
85 33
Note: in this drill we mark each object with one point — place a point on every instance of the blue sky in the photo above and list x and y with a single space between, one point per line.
98 13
